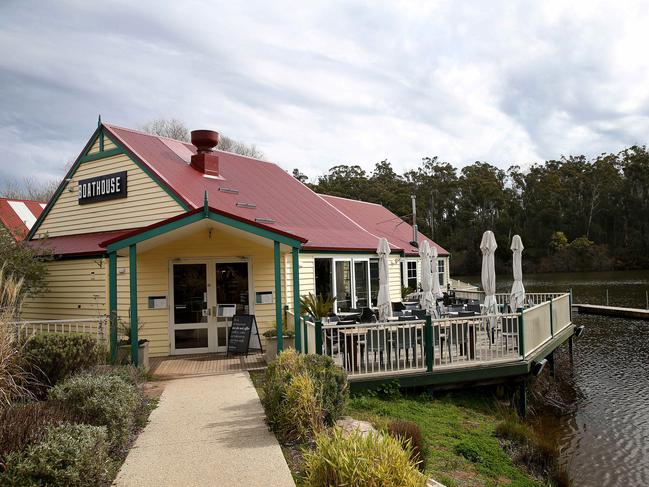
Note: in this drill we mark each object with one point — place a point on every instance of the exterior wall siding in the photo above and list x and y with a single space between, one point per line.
76 289
146 202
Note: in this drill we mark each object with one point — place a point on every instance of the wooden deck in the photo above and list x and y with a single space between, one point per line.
178 366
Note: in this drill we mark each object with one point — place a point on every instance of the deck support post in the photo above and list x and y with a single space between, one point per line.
428 331
112 304
570 340
296 298
551 363
278 299
318 337
522 399
132 260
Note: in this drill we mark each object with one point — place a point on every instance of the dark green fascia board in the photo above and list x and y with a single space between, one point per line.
261 232
147 170
445 377
193 218
101 155
63 184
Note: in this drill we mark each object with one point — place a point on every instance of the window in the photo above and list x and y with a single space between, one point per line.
362 283
323 278
343 285
440 271
411 274
374 281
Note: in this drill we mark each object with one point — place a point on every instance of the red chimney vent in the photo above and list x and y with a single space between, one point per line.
205 160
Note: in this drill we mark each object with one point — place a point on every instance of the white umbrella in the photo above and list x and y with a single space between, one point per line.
437 290
517 297
427 300
488 247
383 299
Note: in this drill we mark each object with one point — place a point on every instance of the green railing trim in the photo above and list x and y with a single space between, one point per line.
132 261
278 297
318 337
521 338
306 336
112 304
296 298
430 349
551 319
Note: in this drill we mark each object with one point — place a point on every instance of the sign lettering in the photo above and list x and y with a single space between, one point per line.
102 188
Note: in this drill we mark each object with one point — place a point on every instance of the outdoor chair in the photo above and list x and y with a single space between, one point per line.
474 307
331 337
405 338
376 343
420 314
367 316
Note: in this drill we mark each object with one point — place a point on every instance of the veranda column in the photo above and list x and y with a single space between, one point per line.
296 298
132 260
112 304
278 299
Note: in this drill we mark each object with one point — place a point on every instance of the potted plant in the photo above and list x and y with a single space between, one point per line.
316 306
288 337
124 345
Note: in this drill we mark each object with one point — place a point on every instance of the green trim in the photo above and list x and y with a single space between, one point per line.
112 304
318 337
101 155
296 298
428 336
154 232
195 217
278 297
139 163
132 264
261 232
62 186
101 141
305 329
551 319
521 334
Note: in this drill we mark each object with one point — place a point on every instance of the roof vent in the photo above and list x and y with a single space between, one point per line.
264 220
205 160
228 190
241 204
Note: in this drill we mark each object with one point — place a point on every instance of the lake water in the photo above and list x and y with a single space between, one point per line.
606 441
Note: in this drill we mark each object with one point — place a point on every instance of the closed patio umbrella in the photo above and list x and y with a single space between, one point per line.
427 300
517 297
437 290
383 299
488 247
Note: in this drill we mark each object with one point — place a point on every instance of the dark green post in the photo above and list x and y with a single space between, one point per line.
428 332
278 299
306 336
296 298
522 399
318 337
521 335
112 304
551 319
570 301
132 260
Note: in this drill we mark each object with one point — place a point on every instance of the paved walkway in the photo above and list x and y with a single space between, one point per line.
206 431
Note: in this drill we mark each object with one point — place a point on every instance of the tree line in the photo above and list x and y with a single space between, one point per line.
575 213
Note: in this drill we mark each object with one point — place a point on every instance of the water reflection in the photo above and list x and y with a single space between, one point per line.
606 442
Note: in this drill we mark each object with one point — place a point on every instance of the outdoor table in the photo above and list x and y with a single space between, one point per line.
346 315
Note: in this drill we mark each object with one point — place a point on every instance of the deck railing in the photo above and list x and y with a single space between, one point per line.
504 298
393 347
96 327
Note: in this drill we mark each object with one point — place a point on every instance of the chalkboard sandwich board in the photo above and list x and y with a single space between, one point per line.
244 335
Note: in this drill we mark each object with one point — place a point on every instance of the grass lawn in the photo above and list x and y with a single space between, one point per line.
458 430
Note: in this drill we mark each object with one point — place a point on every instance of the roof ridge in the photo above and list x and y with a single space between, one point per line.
351 199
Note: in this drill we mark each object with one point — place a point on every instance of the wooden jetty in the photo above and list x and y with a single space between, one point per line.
596 309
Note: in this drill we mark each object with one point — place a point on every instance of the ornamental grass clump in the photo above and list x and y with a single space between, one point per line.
102 400
303 394
14 379
71 455
371 460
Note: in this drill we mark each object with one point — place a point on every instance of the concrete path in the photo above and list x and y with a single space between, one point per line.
206 431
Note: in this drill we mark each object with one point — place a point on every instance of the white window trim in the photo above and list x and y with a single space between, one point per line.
334 287
404 270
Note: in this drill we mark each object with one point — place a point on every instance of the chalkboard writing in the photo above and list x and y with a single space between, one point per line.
244 335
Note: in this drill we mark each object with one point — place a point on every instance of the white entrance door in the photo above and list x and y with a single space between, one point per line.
205 295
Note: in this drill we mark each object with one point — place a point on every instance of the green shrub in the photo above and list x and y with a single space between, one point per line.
68 455
410 435
282 398
23 424
102 400
56 356
372 460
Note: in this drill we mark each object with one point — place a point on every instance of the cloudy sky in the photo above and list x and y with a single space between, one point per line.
314 84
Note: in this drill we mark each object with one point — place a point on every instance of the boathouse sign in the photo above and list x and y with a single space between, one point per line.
102 188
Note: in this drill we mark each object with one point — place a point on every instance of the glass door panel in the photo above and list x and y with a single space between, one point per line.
232 296
361 283
190 320
343 285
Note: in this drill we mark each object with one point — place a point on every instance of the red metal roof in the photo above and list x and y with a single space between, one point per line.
80 244
382 222
277 196
18 216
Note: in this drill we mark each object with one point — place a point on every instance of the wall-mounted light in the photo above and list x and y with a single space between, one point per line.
537 367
